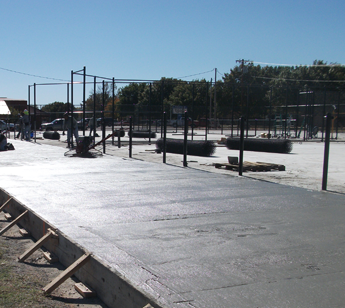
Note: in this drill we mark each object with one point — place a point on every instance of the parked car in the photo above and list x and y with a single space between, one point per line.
80 123
180 122
57 124
107 121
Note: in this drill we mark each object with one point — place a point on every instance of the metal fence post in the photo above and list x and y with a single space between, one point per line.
326 155
185 140
164 137
130 136
240 169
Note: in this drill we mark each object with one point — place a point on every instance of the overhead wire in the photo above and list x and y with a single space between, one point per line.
32 75
196 74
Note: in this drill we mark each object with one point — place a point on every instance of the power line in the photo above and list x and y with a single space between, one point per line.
195 74
16 72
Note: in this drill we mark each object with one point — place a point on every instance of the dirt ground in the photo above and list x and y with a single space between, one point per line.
21 283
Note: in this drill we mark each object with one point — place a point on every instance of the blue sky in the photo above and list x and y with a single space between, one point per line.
151 39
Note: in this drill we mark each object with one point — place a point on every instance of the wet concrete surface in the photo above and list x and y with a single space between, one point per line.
189 238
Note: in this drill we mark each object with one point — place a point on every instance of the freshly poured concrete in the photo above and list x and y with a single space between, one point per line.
187 237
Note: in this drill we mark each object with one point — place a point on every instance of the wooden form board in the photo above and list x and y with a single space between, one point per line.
66 273
7 202
37 245
10 225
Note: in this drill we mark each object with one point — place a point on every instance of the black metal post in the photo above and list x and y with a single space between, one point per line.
150 113
84 89
102 119
34 113
247 112
337 122
119 138
72 109
286 112
185 139
232 112
297 115
162 102
240 169
28 106
193 98
206 124
94 107
113 117
270 115
130 136
164 137
326 154
324 112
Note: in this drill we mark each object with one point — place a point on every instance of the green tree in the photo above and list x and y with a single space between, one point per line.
56 109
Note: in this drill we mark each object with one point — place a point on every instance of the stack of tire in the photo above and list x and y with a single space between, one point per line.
194 147
51 135
261 145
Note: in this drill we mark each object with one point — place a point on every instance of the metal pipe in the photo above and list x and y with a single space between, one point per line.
193 97
185 139
84 89
71 109
150 113
34 114
113 119
240 169
94 108
102 118
164 137
326 153
130 136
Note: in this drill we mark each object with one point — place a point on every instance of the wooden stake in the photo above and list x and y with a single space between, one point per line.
84 290
66 274
10 225
3 206
37 245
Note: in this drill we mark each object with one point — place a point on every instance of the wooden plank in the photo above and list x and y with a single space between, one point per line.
83 290
275 166
66 274
37 245
3 206
251 166
50 257
23 232
8 216
10 225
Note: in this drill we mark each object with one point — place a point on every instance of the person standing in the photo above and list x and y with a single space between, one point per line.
91 125
20 123
71 126
3 142
27 128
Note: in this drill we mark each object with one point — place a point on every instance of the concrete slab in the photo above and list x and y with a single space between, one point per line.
187 237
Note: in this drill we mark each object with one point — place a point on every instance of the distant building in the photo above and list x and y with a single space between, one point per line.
20 105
